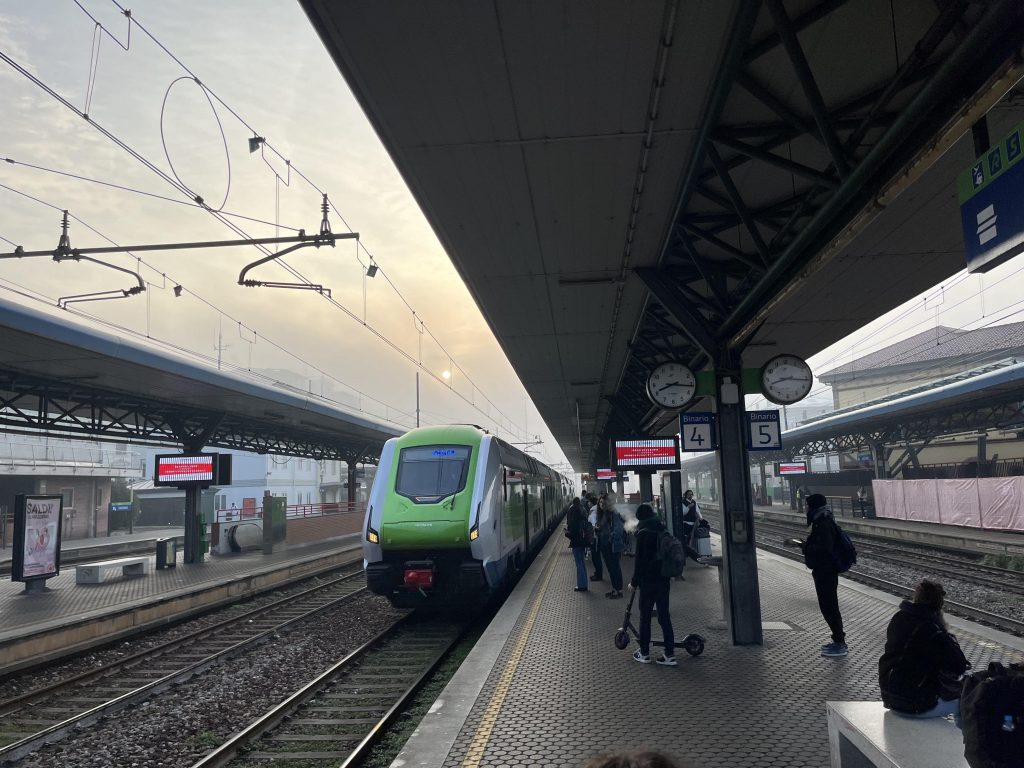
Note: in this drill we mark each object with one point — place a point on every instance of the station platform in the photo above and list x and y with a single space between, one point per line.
120 542
932 534
545 685
35 627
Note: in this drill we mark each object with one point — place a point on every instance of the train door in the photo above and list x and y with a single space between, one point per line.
526 518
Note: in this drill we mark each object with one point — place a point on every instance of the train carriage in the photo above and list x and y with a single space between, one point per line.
456 512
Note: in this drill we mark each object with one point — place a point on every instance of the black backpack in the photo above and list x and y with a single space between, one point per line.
671 555
844 555
992 711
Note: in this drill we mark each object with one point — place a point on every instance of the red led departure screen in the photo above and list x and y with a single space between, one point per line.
184 469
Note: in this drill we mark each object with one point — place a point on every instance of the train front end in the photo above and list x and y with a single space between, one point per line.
418 532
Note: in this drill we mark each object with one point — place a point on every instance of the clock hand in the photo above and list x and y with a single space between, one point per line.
670 384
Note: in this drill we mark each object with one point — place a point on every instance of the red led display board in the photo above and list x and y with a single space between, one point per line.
607 474
641 455
176 470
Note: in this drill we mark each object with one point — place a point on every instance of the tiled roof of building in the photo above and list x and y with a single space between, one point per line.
939 344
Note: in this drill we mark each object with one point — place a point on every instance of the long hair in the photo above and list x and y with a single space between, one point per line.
633 760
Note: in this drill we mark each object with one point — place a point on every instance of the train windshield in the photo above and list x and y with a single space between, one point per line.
427 474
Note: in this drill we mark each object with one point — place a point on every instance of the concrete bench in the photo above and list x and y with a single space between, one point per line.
93 573
864 734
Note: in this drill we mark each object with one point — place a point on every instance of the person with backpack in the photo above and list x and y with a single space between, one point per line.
821 555
653 585
594 517
685 523
611 537
576 526
919 672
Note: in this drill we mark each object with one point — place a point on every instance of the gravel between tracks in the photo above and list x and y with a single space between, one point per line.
958 590
176 729
19 683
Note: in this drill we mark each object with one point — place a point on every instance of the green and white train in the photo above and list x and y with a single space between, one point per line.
454 512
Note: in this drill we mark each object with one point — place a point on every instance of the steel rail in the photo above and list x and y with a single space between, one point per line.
21 700
29 744
273 718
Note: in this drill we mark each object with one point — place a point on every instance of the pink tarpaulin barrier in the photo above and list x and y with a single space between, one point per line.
1002 502
958 502
888 496
921 500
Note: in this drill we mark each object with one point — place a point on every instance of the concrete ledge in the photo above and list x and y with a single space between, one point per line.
46 641
863 734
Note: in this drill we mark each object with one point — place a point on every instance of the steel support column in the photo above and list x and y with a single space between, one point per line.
646 487
742 594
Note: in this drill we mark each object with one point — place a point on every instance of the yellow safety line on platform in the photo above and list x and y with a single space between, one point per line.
482 737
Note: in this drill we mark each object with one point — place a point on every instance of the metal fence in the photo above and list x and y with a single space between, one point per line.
69 454
966 469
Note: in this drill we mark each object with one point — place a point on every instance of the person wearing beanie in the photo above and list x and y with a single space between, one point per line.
654 588
819 555
920 671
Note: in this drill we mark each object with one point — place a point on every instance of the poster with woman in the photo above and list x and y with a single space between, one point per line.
37 530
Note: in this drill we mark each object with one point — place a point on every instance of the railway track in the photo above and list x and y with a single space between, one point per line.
1011 583
337 718
48 714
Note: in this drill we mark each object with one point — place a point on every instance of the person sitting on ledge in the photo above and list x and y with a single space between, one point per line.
920 671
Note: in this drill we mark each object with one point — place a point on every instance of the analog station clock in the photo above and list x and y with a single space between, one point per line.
786 379
671 385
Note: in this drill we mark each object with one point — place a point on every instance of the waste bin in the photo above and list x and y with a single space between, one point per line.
166 553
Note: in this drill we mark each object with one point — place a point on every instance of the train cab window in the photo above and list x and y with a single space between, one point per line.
427 474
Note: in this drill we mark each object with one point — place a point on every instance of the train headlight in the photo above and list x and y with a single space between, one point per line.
474 534
372 536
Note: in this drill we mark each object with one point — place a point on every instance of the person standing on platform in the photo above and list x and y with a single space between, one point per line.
595 548
819 555
686 524
654 588
575 531
612 539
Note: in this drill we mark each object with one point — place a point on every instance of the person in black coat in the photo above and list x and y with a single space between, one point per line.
575 531
920 671
654 588
819 555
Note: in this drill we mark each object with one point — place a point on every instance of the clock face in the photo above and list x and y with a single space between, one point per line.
671 385
786 379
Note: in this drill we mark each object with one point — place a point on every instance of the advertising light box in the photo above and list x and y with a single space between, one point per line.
643 455
37 532
607 474
177 469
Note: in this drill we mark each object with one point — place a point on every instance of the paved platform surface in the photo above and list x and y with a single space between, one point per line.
545 686
24 614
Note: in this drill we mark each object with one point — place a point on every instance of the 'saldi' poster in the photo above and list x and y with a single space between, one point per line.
37 529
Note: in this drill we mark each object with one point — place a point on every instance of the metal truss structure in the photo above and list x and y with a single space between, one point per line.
760 199
32 405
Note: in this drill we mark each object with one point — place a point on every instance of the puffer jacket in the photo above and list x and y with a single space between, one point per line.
647 568
922 660
819 549
574 526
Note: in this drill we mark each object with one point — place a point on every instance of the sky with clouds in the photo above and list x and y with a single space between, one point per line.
264 63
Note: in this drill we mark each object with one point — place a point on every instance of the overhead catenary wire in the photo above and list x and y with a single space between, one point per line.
238 230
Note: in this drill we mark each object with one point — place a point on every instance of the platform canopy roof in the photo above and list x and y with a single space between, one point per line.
80 382
625 183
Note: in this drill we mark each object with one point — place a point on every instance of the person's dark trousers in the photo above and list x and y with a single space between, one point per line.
826 584
595 555
652 595
611 559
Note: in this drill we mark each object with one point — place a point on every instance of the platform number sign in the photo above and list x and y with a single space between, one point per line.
763 431
697 432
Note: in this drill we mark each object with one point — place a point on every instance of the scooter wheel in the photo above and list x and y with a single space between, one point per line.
693 645
622 639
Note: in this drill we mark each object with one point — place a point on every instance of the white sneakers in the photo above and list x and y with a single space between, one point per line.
645 658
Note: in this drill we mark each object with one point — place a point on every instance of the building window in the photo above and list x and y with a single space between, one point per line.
69 497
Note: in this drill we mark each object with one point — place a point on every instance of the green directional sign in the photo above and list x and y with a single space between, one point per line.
991 193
